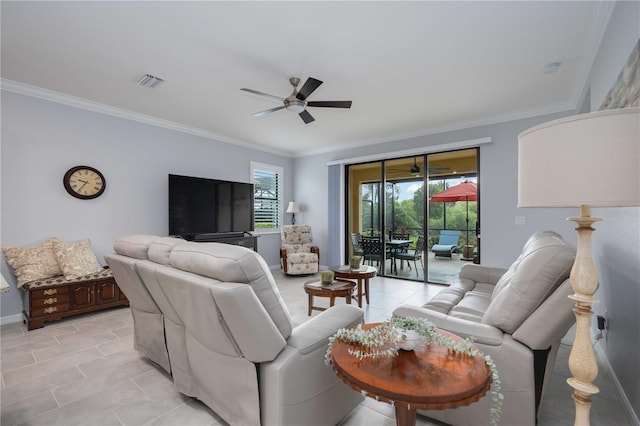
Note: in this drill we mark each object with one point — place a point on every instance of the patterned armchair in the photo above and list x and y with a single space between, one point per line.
297 255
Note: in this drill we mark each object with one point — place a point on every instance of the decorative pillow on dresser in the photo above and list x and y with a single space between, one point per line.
33 263
76 259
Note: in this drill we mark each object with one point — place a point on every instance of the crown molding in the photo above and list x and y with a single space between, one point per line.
88 105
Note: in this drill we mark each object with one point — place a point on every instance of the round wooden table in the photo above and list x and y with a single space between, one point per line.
430 378
361 275
333 290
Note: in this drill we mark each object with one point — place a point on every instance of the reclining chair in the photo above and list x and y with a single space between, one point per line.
297 255
517 316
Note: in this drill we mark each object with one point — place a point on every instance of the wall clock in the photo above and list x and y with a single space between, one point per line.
84 182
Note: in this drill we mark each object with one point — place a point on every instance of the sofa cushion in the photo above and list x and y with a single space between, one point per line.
235 264
545 262
296 258
136 246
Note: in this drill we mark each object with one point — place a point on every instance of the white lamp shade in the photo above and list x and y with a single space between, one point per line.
587 159
293 207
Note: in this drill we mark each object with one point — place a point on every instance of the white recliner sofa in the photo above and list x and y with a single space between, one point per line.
229 336
517 316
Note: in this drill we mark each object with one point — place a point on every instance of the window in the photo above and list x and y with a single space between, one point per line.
267 182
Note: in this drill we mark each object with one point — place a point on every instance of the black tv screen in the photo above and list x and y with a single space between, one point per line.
209 206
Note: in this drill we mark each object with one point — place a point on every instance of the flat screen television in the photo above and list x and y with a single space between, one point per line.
199 206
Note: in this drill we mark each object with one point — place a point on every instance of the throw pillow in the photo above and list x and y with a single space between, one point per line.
76 259
33 263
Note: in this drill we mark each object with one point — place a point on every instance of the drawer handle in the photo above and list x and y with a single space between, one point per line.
50 300
50 291
50 310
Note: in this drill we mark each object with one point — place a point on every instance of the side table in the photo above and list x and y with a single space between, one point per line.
361 275
431 378
333 290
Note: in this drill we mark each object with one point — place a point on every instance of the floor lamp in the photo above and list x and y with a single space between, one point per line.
582 161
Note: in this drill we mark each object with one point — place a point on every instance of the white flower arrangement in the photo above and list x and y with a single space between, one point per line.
371 345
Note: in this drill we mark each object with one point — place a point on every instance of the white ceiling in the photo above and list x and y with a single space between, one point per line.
410 68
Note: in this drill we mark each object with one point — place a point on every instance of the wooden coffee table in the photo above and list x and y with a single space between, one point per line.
361 275
333 290
431 378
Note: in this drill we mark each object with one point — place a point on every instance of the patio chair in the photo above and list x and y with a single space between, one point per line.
415 256
356 243
372 249
448 243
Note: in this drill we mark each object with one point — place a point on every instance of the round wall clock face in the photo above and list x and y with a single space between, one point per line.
84 182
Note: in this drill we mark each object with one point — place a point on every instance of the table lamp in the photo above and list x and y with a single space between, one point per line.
582 161
293 209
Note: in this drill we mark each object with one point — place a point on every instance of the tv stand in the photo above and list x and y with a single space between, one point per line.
235 238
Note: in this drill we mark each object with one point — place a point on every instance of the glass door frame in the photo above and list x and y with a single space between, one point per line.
382 206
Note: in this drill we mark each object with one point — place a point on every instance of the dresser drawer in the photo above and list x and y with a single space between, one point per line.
55 300
48 292
49 310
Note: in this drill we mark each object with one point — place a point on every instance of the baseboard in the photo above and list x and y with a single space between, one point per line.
9 319
631 414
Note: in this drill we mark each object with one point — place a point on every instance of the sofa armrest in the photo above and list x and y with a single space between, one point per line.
481 333
315 333
316 250
248 322
481 273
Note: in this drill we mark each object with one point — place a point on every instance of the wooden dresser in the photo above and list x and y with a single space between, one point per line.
56 298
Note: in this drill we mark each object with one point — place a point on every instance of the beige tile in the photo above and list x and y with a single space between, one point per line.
34 336
85 332
192 413
117 345
92 410
61 349
50 366
16 362
21 411
28 388
113 362
365 416
149 407
12 330
8 352
99 381
153 379
124 331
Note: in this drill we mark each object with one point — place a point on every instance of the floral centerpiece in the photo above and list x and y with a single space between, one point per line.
401 332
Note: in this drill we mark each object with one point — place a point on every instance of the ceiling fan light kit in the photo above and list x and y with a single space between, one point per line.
296 102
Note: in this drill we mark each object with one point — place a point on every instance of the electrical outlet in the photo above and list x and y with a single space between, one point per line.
521 220
601 322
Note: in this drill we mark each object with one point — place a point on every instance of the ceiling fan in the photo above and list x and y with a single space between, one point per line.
297 100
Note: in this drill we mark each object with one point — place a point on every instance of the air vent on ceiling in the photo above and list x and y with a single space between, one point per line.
149 80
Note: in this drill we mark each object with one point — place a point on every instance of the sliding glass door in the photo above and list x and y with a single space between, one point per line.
387 207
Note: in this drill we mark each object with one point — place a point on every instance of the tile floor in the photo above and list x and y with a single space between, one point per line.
84 371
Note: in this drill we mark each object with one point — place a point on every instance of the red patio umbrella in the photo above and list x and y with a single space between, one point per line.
465 191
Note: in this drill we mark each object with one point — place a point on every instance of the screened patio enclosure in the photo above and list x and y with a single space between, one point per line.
386 204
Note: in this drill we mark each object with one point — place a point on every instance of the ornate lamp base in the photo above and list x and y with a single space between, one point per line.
584 282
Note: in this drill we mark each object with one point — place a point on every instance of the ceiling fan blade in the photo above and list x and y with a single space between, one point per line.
309 86
255 92
268 111
330 104
306 117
